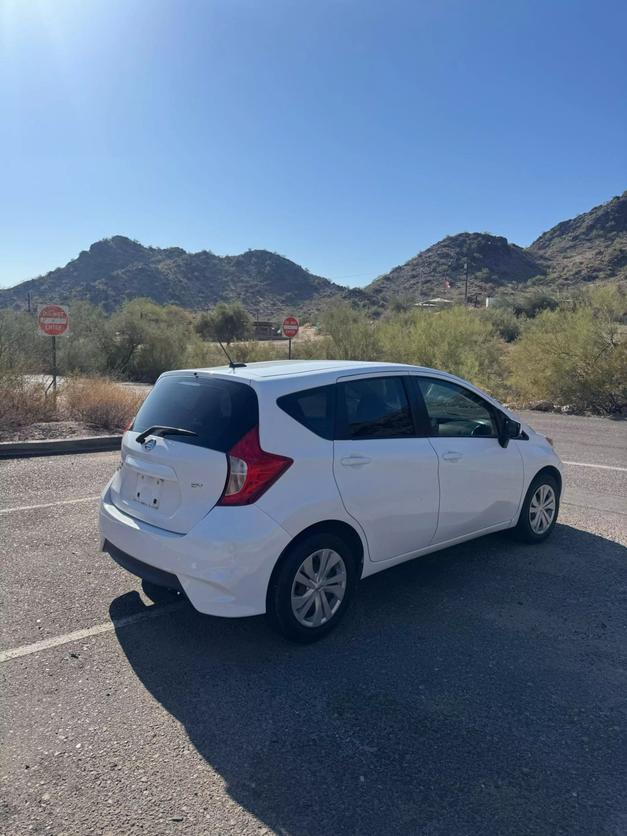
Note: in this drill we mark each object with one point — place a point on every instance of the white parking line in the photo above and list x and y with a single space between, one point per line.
49 504
599 466
77 635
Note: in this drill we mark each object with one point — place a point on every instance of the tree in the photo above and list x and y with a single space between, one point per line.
226 322
145 339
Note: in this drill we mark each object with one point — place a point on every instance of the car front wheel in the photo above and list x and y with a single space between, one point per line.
540 508
311 587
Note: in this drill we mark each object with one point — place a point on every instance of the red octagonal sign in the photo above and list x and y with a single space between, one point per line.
53 320
290 326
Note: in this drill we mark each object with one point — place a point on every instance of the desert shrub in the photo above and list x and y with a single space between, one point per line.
202 355
608 300
255 352
226 322
353 335
532 303
24 401
21 347
145 339
317 349
83 351
572 357
504 322
456 340
100 402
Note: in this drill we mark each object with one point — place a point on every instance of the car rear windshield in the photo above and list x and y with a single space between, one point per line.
219 411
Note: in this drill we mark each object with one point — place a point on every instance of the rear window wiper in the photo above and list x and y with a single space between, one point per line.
159 430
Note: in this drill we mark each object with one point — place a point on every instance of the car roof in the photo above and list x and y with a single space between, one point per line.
324 371
295 368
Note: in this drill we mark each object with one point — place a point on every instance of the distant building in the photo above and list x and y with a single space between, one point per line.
263 329
438 302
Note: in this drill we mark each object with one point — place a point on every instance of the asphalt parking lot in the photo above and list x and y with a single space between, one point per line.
479 690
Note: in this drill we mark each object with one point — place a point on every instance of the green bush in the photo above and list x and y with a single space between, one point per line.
504 322
456 340
353 335
226 322
572 357
22 349
144 339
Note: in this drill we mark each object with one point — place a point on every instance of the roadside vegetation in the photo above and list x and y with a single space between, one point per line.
570 354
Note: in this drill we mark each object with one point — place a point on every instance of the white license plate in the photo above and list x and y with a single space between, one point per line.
148 490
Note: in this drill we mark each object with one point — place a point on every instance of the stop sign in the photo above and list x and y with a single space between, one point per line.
290 326
53 320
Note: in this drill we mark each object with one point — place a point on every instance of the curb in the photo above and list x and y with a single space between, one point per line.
59 446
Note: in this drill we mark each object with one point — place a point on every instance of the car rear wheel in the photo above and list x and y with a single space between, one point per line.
540 508
311 587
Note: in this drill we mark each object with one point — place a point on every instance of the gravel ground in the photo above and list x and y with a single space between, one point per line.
481 689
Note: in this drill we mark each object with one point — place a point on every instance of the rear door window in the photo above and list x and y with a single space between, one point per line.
219 411
374 407
313 408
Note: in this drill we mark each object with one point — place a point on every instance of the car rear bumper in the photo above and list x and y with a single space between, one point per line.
142 570
223 564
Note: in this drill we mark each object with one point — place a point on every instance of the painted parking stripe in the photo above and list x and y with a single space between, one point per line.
49 504
77 635
599 466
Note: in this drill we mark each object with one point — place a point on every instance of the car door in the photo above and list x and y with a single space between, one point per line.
481 482
387 474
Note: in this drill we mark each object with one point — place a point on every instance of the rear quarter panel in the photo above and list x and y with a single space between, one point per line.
307 493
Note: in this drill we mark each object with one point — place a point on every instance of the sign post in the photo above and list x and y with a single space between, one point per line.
290 329
53 321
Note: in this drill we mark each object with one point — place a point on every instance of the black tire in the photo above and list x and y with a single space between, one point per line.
524 530
279 608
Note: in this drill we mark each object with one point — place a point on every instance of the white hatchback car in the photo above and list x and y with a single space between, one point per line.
274 487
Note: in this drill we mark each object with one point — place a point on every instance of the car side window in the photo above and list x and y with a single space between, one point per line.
313 408
456 412
374 407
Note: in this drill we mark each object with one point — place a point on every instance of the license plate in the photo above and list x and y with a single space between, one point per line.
148 490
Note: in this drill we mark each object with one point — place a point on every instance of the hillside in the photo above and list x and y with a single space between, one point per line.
492 261
590 247
117 269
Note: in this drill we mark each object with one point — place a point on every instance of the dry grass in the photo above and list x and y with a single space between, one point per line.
24 402
100 402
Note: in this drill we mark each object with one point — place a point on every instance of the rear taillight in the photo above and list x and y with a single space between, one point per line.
251 470
130 424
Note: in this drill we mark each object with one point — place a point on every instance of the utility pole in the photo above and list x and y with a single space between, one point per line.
466 280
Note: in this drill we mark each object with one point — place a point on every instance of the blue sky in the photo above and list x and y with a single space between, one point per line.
345 134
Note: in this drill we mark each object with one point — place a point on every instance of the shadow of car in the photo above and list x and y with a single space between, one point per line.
481 689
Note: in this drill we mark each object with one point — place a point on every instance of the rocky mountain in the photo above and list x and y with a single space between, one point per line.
590 247
117 269
587 248
440 270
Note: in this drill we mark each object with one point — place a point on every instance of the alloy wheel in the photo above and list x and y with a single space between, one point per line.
319 587
542 509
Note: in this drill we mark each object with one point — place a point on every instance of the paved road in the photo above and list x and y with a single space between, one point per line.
481 690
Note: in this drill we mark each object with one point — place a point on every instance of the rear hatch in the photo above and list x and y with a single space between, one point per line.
172 481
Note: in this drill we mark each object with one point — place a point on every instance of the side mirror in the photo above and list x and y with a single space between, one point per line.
508 428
